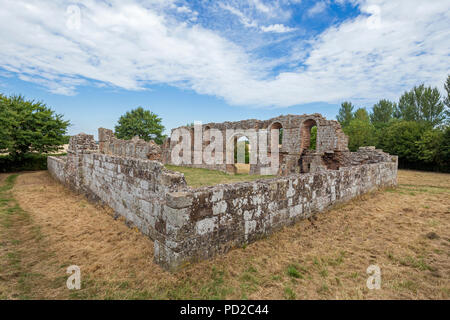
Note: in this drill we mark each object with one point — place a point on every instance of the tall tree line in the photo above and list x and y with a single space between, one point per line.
416 127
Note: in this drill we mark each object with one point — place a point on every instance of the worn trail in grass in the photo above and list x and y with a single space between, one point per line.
22 246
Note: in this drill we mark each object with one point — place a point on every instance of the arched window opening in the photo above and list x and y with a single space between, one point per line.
241 154
309 135
206 136
241 150
279 127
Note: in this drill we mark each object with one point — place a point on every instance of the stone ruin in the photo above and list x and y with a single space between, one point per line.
190 224
294 155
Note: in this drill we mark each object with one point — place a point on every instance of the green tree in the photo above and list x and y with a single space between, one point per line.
382 112
5 120
313 138
429 146
360 133
422 104
142 123
400 138
447 98
443 153
361 114
345 114
30 126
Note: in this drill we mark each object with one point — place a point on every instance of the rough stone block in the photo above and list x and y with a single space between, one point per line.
206 225
179 200
176 217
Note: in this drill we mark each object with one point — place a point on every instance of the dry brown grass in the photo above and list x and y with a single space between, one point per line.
404 230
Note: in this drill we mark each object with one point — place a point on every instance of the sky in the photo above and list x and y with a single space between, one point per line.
215 61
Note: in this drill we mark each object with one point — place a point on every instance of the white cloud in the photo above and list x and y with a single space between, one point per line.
242 17
261 6
132 44
277 28
184 9
319 7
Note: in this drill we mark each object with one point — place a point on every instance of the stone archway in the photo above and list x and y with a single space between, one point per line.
245 161
277 126
308 159
305 134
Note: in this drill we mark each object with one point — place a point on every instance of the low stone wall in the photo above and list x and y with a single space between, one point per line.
134 188
204 222
189 224
56 166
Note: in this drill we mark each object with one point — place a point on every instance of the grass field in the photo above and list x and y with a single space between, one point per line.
202 177
44 228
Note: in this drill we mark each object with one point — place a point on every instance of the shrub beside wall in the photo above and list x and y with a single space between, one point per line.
29 162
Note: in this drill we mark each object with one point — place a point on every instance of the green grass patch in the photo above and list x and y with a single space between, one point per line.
407 285
289 293
196 177
12 216
293 272
413 189
216 288
8 185
249 281
417 263
323 289
323 273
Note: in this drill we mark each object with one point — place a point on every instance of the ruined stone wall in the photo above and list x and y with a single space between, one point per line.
295 140
212 220
136 189
189 224
135 148
56 168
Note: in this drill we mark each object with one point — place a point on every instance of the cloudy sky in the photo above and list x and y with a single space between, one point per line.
218 60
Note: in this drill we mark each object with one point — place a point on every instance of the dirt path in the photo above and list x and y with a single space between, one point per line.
82 234
405 231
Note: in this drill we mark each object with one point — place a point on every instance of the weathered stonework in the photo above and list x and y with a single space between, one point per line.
213 220
294 155
190 224
134 148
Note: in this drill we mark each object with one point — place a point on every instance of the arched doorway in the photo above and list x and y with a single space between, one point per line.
308 145
239 153
242 154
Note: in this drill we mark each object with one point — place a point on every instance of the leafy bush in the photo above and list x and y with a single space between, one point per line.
29 162
400 138
29 127
361 133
